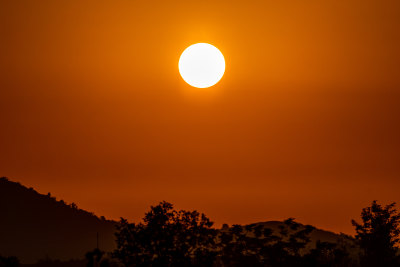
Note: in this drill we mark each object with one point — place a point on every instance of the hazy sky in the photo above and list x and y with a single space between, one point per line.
305 123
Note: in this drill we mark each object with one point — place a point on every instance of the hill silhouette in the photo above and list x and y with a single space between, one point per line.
317 235
34 226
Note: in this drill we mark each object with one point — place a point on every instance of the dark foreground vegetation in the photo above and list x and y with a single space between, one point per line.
186 238
172 238
35 226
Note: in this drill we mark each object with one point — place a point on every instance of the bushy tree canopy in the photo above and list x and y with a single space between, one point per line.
378 235
167 237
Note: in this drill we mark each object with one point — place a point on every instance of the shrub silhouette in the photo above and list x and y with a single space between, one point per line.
9 261
94 257
328 254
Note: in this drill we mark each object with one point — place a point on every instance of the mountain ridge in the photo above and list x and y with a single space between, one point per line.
35 226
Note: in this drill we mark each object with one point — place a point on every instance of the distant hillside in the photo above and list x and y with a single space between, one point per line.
34 226
317 234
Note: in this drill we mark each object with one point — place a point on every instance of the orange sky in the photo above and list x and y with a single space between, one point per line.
305 123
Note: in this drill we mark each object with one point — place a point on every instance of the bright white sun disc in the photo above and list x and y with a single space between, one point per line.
201 65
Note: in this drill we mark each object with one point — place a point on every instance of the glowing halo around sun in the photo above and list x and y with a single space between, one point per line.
201 65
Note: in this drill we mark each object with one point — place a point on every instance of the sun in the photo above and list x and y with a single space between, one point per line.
201 65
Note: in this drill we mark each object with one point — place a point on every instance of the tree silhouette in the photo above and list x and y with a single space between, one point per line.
378 235
166 238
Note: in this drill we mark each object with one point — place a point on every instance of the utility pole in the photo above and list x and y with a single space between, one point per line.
97 240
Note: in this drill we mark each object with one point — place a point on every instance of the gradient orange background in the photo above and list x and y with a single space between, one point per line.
305 123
